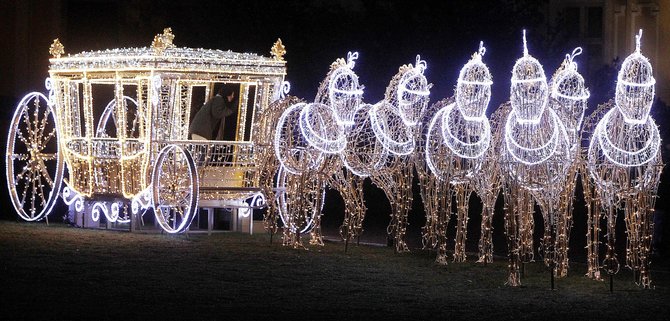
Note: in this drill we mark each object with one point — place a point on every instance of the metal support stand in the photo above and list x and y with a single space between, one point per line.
611 283
551 270
210 220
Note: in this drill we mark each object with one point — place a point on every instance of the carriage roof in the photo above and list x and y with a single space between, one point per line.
172 59
163 56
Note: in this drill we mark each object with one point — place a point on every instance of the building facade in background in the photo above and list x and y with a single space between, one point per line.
606 30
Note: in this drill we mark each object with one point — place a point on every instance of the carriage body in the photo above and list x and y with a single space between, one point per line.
113 157
115 111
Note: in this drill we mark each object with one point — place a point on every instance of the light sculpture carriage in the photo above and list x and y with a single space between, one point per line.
136 154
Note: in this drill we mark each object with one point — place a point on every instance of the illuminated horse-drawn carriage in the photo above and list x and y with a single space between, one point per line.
118 120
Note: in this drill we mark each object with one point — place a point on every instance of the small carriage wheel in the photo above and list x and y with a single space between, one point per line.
34 165
175 189
282 202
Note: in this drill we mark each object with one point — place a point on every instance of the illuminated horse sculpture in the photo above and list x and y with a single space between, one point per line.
363 155
625 164
569 100
535 160
465 133
265 157
434 173
393 121
306 136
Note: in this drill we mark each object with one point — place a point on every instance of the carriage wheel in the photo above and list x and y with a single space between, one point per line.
175 189
284 199
34 165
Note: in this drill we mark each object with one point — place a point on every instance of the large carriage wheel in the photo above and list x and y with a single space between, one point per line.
34 165
175 189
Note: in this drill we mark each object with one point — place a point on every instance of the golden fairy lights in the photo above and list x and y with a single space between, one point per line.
394 122
624 162
137 149
278 50
163 41
34 164
56 49
287 151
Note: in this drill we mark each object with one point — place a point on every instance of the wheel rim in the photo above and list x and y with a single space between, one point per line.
175 189
34 164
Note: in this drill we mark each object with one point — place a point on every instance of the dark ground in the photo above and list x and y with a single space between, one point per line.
59 272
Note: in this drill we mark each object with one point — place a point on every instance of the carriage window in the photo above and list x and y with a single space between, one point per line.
134 119
102 96
222 129
251 101
227 128
105 111
74 113
197 100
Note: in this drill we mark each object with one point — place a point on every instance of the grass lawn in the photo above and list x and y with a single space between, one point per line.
58 272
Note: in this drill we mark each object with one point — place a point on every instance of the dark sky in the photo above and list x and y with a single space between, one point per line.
387 34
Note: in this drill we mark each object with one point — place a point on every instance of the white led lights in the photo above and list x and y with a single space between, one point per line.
175 189
319 129
364 153
153 89
70 196
305 135
529 91
34 164
473 89
294 220
344 93
529 143
390 130
291 148
436 153
639 147
466 138
569 95
283 90
110 112
140 148
412 93
635 86
110 210
625 164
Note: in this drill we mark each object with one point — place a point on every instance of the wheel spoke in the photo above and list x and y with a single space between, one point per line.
25 192
23 172
20 157
45 174
40 191
43 121
32 197
25 117
33 129
47 139
48 156
21 136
